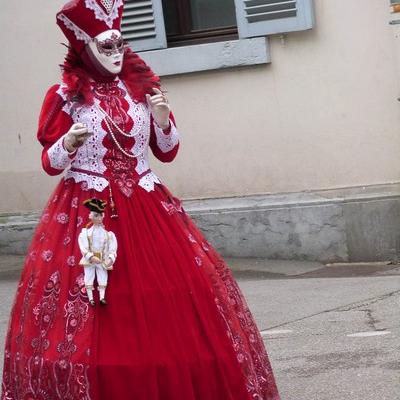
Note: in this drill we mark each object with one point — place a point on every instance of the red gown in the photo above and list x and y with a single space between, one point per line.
176 327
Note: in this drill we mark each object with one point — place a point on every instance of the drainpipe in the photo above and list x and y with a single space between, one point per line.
395 23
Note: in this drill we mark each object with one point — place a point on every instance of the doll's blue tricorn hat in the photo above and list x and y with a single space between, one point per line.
95 205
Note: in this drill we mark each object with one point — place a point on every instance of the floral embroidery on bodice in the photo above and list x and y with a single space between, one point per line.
99 160
119 166
112 100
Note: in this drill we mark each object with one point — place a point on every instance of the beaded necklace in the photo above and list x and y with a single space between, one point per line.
107 120
110 120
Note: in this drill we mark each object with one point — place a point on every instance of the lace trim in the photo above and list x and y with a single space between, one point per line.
142 162
79 33
102 15
60 92
89 181
139 112
108 5
90 156
58 155
166 142
148 181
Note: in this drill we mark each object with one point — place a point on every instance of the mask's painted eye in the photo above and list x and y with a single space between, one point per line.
107 46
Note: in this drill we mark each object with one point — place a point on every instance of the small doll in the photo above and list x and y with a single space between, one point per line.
99 250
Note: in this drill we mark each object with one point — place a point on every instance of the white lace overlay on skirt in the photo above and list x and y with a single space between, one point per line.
166 142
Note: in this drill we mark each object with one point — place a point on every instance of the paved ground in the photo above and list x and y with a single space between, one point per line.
307 313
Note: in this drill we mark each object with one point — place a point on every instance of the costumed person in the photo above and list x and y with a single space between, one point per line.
99 250
177 326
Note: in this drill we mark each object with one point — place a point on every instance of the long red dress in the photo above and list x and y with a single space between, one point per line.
176 327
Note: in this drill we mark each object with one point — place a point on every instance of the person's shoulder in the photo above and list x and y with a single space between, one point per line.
53 103
56 91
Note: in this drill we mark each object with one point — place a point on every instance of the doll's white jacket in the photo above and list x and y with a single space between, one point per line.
97 239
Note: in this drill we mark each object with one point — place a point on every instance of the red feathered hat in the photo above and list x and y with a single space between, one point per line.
82 20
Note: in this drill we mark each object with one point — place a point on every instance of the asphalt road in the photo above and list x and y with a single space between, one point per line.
332 332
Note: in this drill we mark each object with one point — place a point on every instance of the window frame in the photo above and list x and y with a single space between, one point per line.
212 53
151 34
188 36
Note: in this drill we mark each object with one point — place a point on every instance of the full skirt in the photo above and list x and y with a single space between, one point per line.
176 326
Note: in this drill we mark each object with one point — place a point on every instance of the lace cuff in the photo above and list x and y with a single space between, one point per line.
59 156
168 139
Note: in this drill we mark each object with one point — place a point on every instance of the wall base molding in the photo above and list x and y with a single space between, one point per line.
338 225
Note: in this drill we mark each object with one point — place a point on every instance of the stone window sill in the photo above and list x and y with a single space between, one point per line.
208 56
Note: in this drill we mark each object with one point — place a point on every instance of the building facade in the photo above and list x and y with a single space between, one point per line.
307 119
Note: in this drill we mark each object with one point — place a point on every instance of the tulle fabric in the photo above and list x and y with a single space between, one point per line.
176 326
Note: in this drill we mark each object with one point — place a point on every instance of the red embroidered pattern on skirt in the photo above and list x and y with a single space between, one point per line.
35 377
72 379
241 327
246 341
53 328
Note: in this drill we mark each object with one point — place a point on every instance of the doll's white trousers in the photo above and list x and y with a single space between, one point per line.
93 270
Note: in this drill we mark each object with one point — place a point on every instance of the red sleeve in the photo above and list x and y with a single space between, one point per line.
164 144
54 123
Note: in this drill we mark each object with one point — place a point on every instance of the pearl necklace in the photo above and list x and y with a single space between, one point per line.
120 148
107 117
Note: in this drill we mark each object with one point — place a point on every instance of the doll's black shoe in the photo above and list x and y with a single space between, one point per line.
103 302
92 303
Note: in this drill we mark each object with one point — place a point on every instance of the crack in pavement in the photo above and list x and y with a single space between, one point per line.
371 321
347 307
368 302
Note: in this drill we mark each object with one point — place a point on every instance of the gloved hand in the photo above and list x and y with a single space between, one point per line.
159 107
76 137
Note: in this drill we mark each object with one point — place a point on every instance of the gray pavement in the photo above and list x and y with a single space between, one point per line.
308 314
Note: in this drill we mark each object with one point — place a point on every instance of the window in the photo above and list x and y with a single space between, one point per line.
155 24
395 9
199 21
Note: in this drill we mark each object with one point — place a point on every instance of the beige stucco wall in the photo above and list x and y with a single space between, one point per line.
323 114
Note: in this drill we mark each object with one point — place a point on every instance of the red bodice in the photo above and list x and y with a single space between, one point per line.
118 149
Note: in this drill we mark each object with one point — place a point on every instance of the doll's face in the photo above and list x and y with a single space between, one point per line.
96 218
108 50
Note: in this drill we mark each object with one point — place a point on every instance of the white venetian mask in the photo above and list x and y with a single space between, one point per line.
108 50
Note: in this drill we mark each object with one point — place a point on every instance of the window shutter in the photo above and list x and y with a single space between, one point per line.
268 17
143 25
